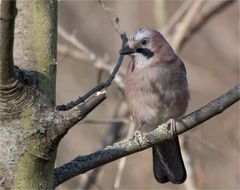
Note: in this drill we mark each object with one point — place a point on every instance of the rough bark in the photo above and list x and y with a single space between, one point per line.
26 147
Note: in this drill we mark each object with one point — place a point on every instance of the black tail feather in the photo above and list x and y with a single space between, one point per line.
168 163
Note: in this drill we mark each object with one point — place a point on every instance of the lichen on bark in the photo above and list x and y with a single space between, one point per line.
27 145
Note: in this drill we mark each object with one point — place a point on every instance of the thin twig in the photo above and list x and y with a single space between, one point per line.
176 17
190 182
90 179
71 38
82 164
113 18
183 26
111 136
97 88
195 23
107 83
159 12
122 161
118 27
80 112
205 16
98 62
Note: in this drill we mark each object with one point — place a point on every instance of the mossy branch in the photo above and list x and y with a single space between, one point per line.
82 164
65 122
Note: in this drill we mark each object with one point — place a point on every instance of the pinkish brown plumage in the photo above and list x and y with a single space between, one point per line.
156 90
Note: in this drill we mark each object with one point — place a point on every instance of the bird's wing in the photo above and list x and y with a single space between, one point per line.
182 66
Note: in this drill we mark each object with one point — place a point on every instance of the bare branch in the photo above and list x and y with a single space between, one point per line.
83 110
110 137
199 18
8 14
97 88
65 50
183 26
176 17
82 164
205 16
59 124
62 123
72 39
113 18
190 181
87 56
99 62
122 161
90 179
108 82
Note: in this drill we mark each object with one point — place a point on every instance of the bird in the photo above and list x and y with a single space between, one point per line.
156 91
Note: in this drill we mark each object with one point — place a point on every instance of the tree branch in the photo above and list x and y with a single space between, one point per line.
80 112
76 43
184 25
82 164
205 17
176 17
113 19
8 14
108 82
97 88
86 55
112 135
122 161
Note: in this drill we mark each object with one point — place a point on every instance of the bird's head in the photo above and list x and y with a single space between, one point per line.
146 46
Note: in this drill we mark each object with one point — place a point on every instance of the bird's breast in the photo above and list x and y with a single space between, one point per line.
143 98
153 97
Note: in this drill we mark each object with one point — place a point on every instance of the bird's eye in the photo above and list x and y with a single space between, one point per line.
144 42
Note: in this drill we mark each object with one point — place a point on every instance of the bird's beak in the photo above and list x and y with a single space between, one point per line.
127 50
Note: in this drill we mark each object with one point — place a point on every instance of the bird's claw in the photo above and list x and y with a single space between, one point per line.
171 125
138 136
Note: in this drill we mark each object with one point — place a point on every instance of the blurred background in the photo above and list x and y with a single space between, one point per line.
205 35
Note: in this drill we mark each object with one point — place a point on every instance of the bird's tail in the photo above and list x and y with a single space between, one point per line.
168 163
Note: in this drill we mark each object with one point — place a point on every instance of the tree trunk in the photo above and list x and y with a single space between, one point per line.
30 127
27 146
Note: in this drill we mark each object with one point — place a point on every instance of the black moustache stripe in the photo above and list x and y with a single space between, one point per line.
146 52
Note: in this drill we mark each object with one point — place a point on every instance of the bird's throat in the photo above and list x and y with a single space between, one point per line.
140 61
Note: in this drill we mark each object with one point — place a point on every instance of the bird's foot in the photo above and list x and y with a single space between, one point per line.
171 125
138 136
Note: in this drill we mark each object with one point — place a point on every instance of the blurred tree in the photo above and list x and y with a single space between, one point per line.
30 127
